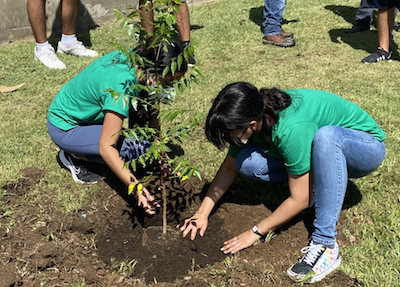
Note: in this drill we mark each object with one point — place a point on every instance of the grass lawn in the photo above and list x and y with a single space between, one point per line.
229 48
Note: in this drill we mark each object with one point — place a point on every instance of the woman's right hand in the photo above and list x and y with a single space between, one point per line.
147 201
198 221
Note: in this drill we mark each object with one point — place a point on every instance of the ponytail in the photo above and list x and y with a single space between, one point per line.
240 103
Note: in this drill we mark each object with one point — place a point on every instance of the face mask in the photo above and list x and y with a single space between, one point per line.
167 94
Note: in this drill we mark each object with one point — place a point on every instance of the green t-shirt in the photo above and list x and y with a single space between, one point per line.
310 110
84 99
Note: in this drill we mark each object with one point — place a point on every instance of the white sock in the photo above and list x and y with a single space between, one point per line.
68 40
42 45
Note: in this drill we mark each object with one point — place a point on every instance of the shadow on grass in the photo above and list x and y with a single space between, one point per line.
366 40
256 15
85 23
271 195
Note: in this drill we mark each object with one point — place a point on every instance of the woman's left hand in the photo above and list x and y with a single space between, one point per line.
240 242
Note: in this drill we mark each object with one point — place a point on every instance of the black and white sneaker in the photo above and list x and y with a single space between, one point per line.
79 172
317 262
191 61
377 56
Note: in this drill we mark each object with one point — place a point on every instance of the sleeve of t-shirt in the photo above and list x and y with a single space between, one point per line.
295 146
233 150
122 92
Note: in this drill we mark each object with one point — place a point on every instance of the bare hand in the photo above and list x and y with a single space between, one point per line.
240 242
147 202
194 223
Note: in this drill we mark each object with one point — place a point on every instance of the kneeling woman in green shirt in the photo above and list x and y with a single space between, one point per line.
84 119
313 139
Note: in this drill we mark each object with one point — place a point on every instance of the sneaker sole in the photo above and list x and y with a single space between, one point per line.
51 67
314 278
60 51
69 166
371 63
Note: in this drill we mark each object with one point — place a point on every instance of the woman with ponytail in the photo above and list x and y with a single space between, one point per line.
313 139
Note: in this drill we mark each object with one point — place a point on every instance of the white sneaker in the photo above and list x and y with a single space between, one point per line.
48 57
78 50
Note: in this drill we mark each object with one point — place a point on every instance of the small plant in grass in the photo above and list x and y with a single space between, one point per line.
80 283
126 268
159 101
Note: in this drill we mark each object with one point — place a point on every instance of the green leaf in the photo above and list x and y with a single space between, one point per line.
165 72
197 174
142 161
133 165
178 167
173 67
134 103
180 61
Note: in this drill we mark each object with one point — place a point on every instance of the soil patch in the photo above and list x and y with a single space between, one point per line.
111 243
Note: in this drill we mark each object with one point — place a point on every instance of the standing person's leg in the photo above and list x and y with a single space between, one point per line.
37 18
337 153
273 11
385 26
69 43
43 52
183 22
147 16
364 18
69 15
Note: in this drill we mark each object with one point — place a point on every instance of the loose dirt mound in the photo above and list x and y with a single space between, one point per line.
100 245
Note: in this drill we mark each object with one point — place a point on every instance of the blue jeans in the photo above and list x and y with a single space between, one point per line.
273 11
337 154
84 140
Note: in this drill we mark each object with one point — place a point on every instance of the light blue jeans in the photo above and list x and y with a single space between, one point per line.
337 154
273 11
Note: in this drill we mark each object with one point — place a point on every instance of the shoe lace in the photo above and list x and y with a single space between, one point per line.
79 46
313 252
50 53
80 169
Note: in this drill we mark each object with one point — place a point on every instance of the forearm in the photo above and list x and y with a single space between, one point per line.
282 215
116 164
222 181
299 186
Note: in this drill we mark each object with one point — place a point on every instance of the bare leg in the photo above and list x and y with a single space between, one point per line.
147 17
385 26
37 18
69 14
183 21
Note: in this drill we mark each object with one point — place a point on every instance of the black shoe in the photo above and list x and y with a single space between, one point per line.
377 56
191 61
359 26
79 172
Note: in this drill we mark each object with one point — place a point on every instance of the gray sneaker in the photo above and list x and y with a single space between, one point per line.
48 57
79 172
78 49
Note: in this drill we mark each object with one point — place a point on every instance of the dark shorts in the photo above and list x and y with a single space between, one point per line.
383 4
